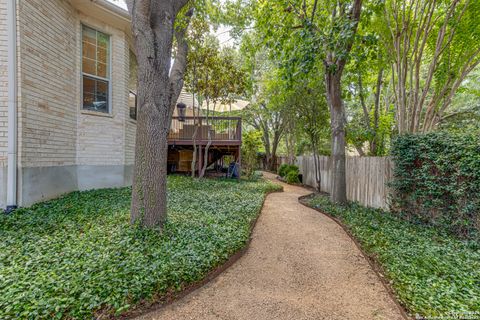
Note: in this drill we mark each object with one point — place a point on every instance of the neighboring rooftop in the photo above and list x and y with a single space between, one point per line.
225 107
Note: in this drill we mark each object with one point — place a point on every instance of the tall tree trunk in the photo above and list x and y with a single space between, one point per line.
266 145
290 143
158 90
150 171
334 67
316 159
276 141
376 114
337 116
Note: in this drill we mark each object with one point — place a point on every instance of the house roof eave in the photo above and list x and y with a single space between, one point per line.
106 11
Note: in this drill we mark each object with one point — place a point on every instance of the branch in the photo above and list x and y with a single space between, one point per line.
362 101
314 10
180 65
140 13
458 113
299 15
179 4
360 151
139 8
377 97
354 16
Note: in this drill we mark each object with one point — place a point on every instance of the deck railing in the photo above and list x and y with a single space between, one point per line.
221 129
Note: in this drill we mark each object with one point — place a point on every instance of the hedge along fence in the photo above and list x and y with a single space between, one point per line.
436 180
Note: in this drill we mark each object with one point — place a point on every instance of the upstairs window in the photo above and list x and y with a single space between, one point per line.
95 70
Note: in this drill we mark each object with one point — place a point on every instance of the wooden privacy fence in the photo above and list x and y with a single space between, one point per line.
367 178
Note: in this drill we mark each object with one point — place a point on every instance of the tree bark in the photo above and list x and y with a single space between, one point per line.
333 75
158 90
376 113
266 145
205 160
316 159
276 141
337 119
366 115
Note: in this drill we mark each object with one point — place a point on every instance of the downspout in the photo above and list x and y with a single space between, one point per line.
12 106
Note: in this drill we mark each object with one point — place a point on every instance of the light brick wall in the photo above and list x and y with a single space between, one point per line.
49 100
101 138
53 129
130 142
56 139
3 82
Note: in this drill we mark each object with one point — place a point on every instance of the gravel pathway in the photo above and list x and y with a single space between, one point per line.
300 265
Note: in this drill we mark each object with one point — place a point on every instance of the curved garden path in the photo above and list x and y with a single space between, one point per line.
300 265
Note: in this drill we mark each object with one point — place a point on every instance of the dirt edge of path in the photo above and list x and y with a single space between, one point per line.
158 302
372 260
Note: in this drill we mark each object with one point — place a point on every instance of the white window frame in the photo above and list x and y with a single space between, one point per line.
136 105
109 71
130 90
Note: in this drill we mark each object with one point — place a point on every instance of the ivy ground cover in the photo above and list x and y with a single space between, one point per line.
432 273
77 257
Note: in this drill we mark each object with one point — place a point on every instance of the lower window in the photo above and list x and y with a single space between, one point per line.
95 94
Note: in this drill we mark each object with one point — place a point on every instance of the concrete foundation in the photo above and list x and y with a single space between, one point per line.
128 175
98 177
3 187
45 183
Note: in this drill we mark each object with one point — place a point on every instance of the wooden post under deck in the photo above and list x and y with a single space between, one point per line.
200 159
239 162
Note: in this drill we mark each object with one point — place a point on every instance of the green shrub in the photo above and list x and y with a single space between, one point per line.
432 272
252 142
294 168
282 170
286 168
78 255
292 177
437 180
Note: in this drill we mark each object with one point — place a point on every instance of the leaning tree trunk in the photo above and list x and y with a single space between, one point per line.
153 28
337 115
207 148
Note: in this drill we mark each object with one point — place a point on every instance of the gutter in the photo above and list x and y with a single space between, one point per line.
12 106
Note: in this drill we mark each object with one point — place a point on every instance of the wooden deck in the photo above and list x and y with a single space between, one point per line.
224 131
226 140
